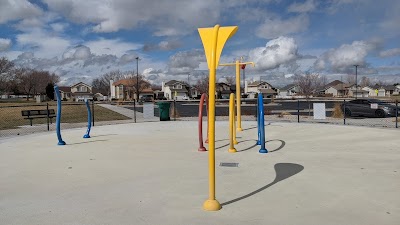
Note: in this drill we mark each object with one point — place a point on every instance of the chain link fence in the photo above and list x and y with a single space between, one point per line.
74 115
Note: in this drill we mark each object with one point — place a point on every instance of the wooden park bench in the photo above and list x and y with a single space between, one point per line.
38 113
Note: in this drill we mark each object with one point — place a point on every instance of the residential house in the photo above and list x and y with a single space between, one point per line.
223 90
195 92
125 89
81 91
289 90
372 91
335 88
260 87
389 90
65 92
339 90
174 89
357 92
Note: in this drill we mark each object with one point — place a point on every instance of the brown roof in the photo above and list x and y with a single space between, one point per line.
147 90
333 83
125 82
64 89
267 91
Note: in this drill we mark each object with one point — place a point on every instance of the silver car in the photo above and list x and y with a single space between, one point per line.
369 107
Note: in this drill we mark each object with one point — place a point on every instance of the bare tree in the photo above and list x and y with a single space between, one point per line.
308 84
137 81
364 81
351 79
26 82
202 84
6 75
230 80
5 65
102 83
32 82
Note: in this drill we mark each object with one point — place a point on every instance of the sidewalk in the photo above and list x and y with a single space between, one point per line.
129 113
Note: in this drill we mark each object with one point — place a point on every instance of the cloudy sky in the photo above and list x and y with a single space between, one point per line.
80 40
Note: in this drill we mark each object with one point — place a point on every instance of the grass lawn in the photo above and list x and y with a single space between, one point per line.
10 114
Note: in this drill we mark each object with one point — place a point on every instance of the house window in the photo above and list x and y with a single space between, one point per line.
178 86
82 89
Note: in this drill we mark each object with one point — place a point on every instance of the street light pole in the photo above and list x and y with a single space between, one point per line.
137 78
356 79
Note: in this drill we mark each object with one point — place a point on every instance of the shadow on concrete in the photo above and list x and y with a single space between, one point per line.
283 143
85 142
282 170
250 128
248 148
102 135
221 140
222 146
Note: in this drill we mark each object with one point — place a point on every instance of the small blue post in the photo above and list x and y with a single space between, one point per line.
58 118
258 123
261 124
89 119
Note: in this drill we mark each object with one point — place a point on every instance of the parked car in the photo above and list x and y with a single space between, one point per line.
146 98
366 107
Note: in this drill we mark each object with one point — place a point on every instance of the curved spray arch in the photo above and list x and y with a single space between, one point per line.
87 135
202 99
58 118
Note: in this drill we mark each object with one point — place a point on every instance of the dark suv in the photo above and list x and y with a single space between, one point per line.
146 98
369 107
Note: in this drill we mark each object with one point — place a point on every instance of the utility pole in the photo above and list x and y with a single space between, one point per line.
356 80
137 78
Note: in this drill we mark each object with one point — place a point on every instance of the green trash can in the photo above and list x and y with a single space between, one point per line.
163 108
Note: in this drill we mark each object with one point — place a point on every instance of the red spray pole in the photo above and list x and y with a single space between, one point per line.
201 146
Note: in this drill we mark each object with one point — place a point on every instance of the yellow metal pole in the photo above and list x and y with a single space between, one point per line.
234 125
212 204
238 97
213 41
231 122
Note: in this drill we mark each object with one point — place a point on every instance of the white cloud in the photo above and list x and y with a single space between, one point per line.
111 46
163 17
276 52
5 44
347 55
59 27
186 61
44 44
273 28
162 46
390 52
307 6
17 9
78 53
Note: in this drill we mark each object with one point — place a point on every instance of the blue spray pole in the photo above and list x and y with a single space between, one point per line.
261 124
258 124
89 119
58 118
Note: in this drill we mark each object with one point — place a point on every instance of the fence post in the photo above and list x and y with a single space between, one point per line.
174 110
344 111
298 111
92 112
48 116
397 112
134 109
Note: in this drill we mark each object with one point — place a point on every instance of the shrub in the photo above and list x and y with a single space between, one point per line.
283 114
337 111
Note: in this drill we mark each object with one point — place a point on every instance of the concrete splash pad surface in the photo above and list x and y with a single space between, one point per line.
151 173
